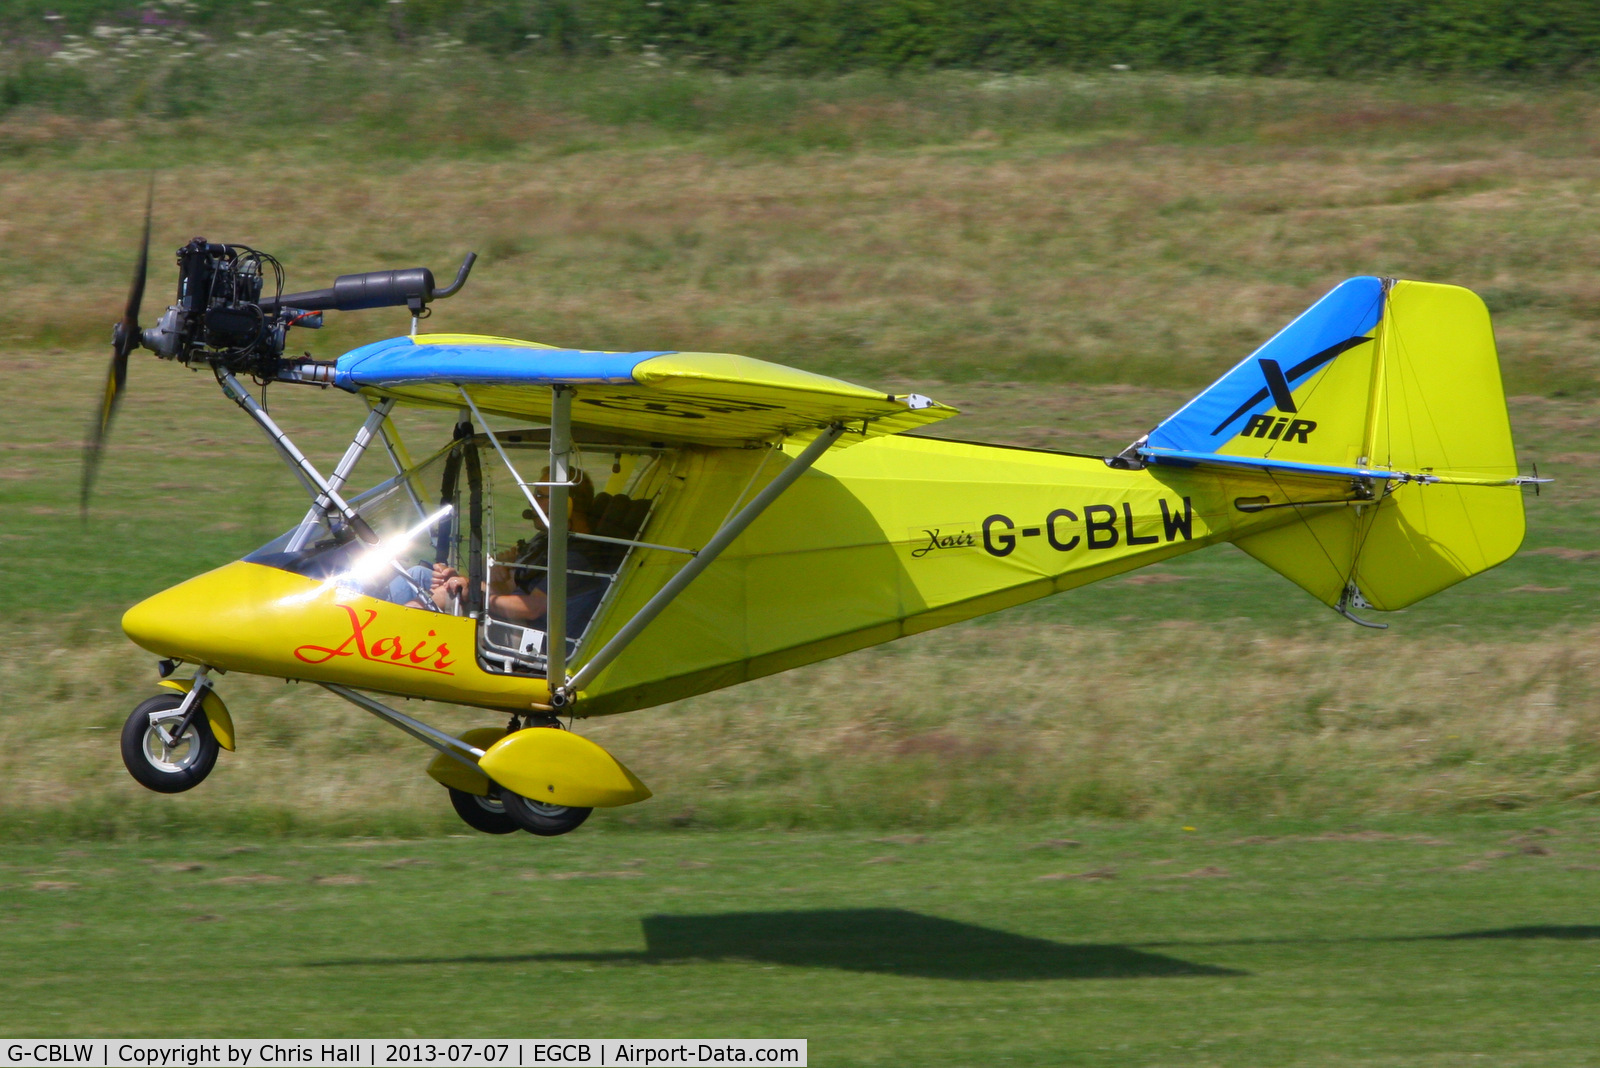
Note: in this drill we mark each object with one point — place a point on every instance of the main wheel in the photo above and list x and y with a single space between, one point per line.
541 819
159 761
484 814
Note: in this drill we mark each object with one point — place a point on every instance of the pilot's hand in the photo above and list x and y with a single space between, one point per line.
446 582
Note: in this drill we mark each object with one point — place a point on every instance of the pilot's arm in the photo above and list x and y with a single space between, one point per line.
523 607
508 602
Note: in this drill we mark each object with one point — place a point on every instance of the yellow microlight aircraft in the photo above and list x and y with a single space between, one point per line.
644 526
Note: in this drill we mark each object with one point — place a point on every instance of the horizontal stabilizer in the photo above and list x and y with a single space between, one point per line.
1263 463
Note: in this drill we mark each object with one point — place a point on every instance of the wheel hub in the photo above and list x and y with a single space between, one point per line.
168 753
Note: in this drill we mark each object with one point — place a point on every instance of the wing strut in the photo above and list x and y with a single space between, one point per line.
324 496
730 530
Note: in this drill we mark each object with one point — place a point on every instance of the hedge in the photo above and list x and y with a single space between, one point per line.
1534 38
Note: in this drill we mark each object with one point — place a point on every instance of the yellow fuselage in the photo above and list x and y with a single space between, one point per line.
889 537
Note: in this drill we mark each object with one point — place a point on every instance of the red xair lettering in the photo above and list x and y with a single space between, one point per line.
388 650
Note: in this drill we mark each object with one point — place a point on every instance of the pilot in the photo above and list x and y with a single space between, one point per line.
518 594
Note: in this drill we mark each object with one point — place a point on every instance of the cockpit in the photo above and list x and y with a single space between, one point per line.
461 533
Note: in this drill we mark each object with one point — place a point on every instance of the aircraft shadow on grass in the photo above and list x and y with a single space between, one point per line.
1570 932
1557 932
890 941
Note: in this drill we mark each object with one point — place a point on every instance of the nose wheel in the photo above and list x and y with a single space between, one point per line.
166 750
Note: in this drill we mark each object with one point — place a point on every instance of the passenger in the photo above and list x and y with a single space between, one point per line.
519 594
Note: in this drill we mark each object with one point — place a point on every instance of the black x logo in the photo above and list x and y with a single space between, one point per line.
1278 380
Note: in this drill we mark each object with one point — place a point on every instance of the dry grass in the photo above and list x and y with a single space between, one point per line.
1115 252
981 722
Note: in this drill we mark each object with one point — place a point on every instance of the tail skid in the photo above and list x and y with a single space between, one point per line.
1352 599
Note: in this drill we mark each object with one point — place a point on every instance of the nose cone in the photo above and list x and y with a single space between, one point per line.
208 619
259 620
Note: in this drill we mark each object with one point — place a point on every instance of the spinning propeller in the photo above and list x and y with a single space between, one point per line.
124 339
232 316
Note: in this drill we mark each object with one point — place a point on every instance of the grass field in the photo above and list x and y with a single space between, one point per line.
1066 258
1054 228
1423 942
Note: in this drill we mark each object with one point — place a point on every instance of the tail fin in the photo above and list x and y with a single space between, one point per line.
1393 384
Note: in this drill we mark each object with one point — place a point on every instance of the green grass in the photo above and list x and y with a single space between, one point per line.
1417 942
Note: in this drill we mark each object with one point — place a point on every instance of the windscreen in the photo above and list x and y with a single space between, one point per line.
457 532
416 517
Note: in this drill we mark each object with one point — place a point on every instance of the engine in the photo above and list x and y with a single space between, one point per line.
232 314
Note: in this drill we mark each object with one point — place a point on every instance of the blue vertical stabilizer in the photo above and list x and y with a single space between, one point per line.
1263 380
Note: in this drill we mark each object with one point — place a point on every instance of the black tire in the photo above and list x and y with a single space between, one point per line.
484 814
541 819
168 770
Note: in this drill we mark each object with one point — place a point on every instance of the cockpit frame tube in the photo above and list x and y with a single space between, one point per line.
444 536
295 458
400 460
555 612
527 491
358 444
477 596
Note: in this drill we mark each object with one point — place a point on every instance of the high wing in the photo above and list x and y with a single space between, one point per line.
698 398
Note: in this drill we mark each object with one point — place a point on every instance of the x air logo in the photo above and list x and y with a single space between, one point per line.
1279 427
